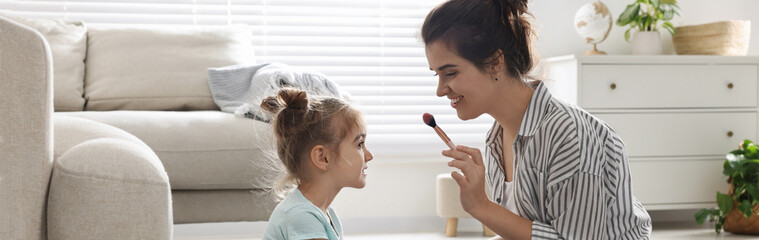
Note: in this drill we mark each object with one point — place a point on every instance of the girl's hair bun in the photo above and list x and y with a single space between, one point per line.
287 98
294 99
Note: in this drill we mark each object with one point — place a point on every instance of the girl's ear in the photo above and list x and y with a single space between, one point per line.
319 157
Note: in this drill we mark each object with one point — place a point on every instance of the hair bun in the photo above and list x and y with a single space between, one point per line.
515 8
286 98
294 99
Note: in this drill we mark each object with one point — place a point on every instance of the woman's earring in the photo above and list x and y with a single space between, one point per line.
496 79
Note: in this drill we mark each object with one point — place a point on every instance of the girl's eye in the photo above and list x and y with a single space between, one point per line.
361 144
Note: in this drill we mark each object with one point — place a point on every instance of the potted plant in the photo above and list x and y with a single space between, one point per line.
738 210
645 17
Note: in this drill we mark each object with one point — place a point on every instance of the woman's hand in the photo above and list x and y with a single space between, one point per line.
472 183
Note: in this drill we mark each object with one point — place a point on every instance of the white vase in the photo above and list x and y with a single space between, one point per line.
646 43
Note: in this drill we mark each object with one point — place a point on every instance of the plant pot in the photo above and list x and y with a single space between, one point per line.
646 43
735 222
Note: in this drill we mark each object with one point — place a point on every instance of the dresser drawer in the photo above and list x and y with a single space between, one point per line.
682 134
677 182
667 86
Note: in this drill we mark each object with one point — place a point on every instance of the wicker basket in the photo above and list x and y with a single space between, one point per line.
729 38
735 222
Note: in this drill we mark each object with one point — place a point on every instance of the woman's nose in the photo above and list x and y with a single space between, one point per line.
442 89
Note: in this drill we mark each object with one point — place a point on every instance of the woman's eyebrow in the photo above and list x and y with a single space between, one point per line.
441 68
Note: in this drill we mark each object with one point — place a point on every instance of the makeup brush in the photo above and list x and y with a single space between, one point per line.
430 121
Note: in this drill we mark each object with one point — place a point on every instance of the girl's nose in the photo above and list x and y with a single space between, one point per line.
368 156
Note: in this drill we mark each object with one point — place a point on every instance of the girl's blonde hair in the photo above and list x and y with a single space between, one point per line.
301 122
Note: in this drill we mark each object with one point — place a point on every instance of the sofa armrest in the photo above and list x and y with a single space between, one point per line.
106 184
26 150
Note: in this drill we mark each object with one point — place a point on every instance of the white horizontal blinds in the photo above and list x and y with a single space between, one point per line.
125 12
371 48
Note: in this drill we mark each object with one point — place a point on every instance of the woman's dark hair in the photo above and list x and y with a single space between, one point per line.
477 29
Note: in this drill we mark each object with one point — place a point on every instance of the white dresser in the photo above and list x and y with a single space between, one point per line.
678 117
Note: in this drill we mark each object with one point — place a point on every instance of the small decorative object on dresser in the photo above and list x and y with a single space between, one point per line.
593 22
729 38
677 115
644 16
739 208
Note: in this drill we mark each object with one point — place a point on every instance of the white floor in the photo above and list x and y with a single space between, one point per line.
668 230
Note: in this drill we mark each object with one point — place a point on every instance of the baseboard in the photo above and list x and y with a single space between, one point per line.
365 225
350 226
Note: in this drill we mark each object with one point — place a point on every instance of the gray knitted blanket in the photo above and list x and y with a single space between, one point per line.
240 89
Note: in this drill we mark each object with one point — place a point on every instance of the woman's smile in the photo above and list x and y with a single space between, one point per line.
455 101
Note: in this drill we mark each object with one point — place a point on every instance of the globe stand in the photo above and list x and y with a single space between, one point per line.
593 22
594 51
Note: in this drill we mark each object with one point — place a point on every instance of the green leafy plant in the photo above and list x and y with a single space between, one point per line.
742 169
644 15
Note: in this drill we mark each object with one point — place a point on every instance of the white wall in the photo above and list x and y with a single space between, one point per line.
556 34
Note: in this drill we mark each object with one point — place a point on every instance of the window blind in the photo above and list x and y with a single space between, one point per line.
372 49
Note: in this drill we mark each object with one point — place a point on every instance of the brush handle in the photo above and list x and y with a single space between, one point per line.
451 145
445 138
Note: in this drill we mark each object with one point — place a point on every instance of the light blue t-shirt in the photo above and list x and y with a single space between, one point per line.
296 218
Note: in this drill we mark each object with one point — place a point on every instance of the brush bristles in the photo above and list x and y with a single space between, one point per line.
429 120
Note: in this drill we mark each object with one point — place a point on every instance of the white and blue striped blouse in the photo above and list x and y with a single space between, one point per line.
571 175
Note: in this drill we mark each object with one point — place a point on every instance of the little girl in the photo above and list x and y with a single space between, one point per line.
321 143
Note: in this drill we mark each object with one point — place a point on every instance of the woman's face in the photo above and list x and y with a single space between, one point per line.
353 158
468 88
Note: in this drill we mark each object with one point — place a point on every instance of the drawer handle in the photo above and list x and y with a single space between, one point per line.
730 133
730 85
613 86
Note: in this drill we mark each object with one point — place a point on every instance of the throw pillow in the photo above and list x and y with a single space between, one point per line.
159 68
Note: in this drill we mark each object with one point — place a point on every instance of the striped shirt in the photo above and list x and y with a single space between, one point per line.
571 175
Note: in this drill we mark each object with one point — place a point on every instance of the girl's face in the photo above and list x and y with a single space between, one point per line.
352 160
469 89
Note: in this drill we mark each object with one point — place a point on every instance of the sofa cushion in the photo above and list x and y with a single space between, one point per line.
202 150
193 206
159 68
68 44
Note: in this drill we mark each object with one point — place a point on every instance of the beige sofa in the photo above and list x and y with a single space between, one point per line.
112 133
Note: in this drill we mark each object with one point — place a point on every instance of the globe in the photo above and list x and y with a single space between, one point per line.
593 22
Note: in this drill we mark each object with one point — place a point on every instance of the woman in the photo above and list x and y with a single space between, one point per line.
555 171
